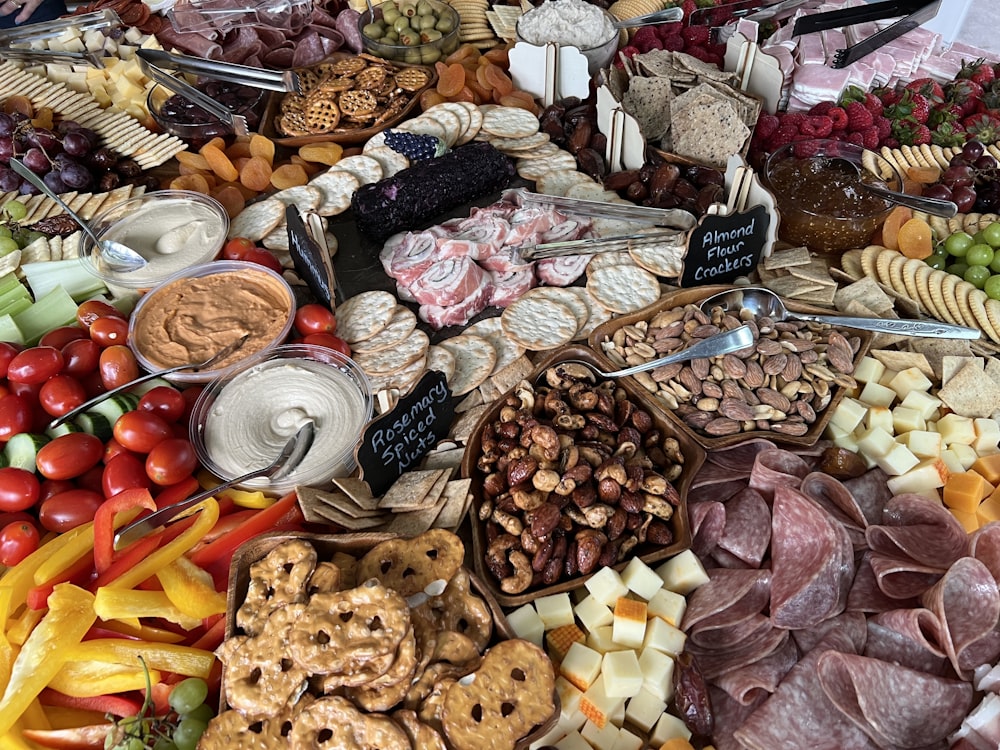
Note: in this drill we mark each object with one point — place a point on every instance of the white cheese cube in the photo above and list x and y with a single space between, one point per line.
667 605
951 461
931 494
832 432
593 613
629 626
875 394
957 429
987 436
133 35
904 420
844 440
683 573
569 696
573 741
923 443
644 710
606 586
923 402
667 728
875 442
664 637
887 376
602 639
627 741
600 708
897 461
910 379
849 414
621 674
657 673
581 666
880 416
642 579
966 454
526 624
929 474
555 610
600 738
548 739
869 370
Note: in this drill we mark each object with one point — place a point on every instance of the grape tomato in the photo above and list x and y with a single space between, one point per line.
171 461
235 248
93 309
50 487
61 394
17 541
59 337
164 401
19 489
262 257
109 331
124 472
7 353
17 414
69 456
35 365
141 431
118 366
80 357
315 318
329 341
67 510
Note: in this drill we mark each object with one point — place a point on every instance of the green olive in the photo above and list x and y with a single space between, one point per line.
424 8
429 35
429 55
445 25
401 24
391 13
408 9
373 31
410 38
391 37
412 56
423 22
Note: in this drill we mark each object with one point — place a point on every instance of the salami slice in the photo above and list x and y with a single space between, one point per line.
739 459
719 491
917 625
890 645
902 579
729 716
914 527
984 545
894 705
737 654
729 597
708 523
871 493
748 527
851 625
750 684
776 468
831 495
867 596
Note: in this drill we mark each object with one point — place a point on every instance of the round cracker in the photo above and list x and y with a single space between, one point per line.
532 169
425 126
258 220
521 144
993 313
895 280
475 358
400 326
563 296
303 197
663 258
868 259
476 115
453 124
510 122
277 238
948 283
976 300
850 262
363 166
396 358
599 314
442 360
623 289
924 290
882 263
909 270
609 258
391 161
363 315
962 292
538 323
934 289
374 142
337 186
491 330
558 181
402 380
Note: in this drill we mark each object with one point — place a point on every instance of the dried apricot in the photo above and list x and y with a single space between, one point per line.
256 173
451 80
262 146
219 143
218 162
890 227
497 79
184 169
430 98
239 150
322 153
498 56
915 239
522 99
466 94
193 161
246 192
289 175
480 79
195 182
924 175
464 52
310 166
231 199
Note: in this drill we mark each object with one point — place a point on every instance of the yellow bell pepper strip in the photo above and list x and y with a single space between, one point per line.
166 657
90 737
20 628
121 604
69 718
79 546
13 740
86 679
70 615
171 550
114 512
241 498
191 589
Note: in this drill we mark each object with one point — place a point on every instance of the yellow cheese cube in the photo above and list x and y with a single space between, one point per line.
923 443
657 673
966 490
929 474
969 521
667 728
600 738
621 674
641 579
558 641
555 610
664 637
875 394
989 510
875 442
910 379
683 573
526 624
923 402
848 414
606 586
879 416
601 708
644 710
602 639
869 370
898 460
989 468
627 741
581 666
957 429
667 605
629 625
593 613
569 697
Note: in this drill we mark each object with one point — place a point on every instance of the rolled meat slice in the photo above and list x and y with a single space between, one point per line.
561 271
438 316
406 255
449 281
510 285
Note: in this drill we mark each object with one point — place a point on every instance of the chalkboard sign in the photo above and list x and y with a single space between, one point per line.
723 248
395 442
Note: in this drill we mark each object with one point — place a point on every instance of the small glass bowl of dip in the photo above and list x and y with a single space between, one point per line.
598 56
822 205
172 229
195 313
176 115
243 419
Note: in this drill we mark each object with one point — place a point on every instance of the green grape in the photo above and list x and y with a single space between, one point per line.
188 694
937 261
134 743
979 255
977 275
979 237
203 712
958 243
7 245
958 269
188 732
991 234
164 743
5 231
992 287
15 210
995 263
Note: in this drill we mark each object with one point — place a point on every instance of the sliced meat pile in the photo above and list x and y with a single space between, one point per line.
457 269
836 615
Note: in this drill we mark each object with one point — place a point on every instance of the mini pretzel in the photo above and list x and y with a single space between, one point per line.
412 79
460 610
511 693
325 579
409 565
421 735
342 631
333 722
276 580
358 103
349 66
384 692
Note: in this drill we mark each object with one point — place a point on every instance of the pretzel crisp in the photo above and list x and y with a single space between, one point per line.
335 723
421 735
385 691
410 565
460 610
278 579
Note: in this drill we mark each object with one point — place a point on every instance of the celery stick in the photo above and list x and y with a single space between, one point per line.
9 331
9 281
55 309
70 274
15 306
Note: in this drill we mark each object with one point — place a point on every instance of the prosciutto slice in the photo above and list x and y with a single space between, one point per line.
748 527
895 706
449 282
776 468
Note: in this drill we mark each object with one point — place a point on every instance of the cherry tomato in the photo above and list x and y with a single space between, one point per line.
6 518
163 401
29 390
17 541
262 257
59 337
171 461
61 394
7 353
69 455
70 509
50 487
93 384
91 479
315 318
80 357
236 247
113 448
190 396
19 489
17 414
329 341
35 365
118 366
141 431
93 309
125 471
109 331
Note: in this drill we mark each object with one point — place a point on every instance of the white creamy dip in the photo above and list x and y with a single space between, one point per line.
260 409
569 22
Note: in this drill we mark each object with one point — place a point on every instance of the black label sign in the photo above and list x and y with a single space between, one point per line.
723 248
395 442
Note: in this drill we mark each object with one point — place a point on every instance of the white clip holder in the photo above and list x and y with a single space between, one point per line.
551 72
626 146
744 191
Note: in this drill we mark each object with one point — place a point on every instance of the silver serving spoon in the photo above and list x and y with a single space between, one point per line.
765 303
117 256
289 458
935 206
667 15
217 357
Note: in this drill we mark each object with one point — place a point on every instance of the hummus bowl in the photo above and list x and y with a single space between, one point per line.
195 313
172 229
243 419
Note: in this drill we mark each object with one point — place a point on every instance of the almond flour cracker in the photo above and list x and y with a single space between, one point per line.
364 315
538 323
475 358
623 288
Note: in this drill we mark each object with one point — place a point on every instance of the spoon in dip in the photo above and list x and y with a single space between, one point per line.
763 302
661 16
117 256
933 206
217 357
289 458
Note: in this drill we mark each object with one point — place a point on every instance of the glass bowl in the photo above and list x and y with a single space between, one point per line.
197 312
183 118
426 53
822 205
598 56
243 419
172 229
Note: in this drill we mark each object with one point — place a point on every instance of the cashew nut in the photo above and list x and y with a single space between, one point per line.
523 574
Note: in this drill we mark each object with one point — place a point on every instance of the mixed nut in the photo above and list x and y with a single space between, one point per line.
576 475
780 384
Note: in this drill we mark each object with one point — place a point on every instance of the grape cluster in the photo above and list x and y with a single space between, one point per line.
12 235
974 257
972 180
180 729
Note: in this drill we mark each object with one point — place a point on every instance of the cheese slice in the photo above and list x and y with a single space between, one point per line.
600 738
569 697
627 741
602 639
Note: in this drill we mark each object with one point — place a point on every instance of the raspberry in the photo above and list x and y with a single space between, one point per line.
839 117
644 37
870 137
795 119
856 138
858 118
689 7
663 30
766 125
822 108
805 149
699 53
816 126
783 135
672 43
698 35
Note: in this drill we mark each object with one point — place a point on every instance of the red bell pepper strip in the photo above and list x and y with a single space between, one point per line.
79 573
104 522
174 493
116 705
80 738
213 637
126 560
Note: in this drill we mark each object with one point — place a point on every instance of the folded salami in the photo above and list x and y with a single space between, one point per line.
414 196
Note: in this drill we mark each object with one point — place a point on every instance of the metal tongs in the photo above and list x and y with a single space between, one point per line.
673 218
723 18
914 12
156 63
35 56
98 19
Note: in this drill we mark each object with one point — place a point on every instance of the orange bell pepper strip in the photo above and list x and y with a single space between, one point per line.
165 657
116 705
191 589
122 508
70 615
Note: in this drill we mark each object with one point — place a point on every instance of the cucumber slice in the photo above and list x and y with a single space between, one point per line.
22 449
64 429
143 388
96 424
113 407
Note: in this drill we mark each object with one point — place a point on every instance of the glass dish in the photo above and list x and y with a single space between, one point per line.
225 15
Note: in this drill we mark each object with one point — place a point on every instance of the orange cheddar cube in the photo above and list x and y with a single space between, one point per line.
989 468
969 521
965 491
677 743
559 640
989 509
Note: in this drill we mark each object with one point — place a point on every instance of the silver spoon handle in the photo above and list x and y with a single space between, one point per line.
713 346
933 206
923 328
661 16
86 405
21 168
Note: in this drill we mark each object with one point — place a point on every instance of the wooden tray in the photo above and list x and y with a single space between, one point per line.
356 545
694 457
683 297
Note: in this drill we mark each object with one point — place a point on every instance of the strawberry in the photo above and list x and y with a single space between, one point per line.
982 127
979 71
911 105
857 94
696 35
926 87
963 93
948 134
911 133
858 118
816 126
